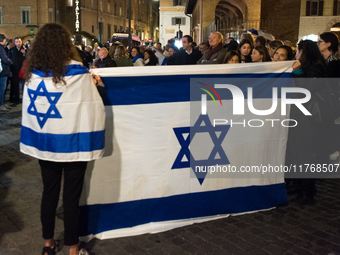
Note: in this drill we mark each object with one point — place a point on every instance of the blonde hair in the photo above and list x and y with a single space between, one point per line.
120 52
113 49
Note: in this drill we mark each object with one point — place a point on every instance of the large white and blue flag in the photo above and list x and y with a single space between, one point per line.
63 122
146 182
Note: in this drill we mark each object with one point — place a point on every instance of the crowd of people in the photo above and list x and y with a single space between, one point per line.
12 54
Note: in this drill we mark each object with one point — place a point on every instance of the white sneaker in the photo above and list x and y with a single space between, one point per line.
334 156
83 252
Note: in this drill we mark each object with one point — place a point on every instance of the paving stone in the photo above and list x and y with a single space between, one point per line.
299 251
220 252
133 248
256 251
178 241
245 245
231 248
188 247
273 249
335 248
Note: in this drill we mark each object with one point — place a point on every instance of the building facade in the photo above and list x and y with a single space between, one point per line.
102 18
99 18
232 17
172 19
318 17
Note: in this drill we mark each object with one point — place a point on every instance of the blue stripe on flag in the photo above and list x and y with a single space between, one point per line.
70 70
63 143
174 88
104 217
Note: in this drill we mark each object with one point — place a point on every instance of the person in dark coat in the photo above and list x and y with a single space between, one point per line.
305 143
104 59
172 55
18 55
89 57
82 55
216 53
188 55
5 62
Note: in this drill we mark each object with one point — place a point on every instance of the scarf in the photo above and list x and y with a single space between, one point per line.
137 57
211 51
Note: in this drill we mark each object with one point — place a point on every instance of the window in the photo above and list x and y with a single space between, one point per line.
336 8
120 11
92 29
178 2
314 8
109 31
177 21
92 4
50 15
101 5
0 14
115 29
108 6
25 14
115 9
69 3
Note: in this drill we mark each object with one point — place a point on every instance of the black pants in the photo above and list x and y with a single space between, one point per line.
14 95
73 184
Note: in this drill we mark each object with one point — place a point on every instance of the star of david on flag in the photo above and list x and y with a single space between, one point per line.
52 98
217 150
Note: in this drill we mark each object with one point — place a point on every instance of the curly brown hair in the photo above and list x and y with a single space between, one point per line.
51 51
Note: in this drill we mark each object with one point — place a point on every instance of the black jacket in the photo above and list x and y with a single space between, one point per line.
334 67
183 58
5 62
18 58
82 55
106 62
89 58
171 60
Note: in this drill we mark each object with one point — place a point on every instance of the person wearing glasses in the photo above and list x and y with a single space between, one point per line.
328 45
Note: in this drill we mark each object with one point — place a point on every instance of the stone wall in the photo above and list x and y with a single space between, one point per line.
281 18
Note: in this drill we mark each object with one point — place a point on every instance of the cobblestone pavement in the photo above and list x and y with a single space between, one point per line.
285 230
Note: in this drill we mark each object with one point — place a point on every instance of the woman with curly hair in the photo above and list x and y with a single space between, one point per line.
113 48
121 58
63 121
283 53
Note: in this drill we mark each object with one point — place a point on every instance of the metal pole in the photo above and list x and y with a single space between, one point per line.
130 36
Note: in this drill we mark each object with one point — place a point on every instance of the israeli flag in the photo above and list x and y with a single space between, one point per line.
145 183
63 122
